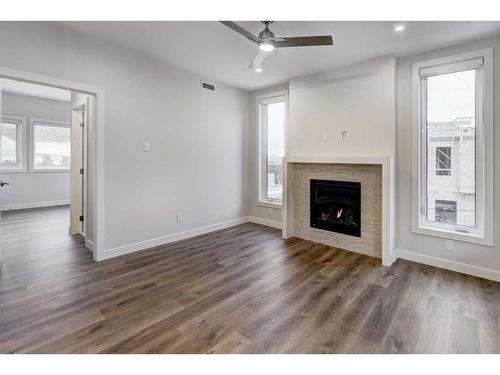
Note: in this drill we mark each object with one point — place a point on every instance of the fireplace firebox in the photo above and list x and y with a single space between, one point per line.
336 206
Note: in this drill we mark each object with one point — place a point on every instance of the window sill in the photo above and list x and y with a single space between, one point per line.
454 235
277 206
13 171
50 171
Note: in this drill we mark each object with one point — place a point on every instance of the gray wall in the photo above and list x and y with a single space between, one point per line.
471 254
30 189
197 165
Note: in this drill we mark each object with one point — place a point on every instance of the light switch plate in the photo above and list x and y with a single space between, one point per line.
343 135
448 245
146 147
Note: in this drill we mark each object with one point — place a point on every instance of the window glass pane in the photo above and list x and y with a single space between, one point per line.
451 148
52 147
9 153
443 161
275 150
446 211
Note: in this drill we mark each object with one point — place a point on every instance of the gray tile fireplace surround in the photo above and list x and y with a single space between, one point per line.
370 177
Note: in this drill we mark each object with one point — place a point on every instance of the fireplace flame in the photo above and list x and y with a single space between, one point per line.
339 213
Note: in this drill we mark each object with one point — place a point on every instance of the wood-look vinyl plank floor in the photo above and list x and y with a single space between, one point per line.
238 290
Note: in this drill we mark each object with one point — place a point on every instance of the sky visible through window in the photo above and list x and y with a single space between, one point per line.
275 149
451 168
451 96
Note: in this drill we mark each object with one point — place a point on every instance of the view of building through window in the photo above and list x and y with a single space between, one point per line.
275 150
52 147
451 148
8 146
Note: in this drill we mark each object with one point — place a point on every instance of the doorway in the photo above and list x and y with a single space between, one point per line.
46 160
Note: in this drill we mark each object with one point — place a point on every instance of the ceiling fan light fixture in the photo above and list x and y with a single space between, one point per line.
266 45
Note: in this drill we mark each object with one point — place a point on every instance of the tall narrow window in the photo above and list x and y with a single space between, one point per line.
452 176
272 134
11 144
51 146
450 122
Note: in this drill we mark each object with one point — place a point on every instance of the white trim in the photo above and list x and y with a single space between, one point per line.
266 222
276 206
486 273
260 100
22 206
163 240
450 67
485 160
100 126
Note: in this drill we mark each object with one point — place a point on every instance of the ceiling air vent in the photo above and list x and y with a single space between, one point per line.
207 86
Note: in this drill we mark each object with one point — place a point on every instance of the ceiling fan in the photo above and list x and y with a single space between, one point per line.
267 41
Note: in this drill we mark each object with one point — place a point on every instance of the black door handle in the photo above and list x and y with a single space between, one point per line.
3 183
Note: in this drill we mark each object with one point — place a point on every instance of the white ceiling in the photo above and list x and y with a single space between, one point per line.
215 52
31 89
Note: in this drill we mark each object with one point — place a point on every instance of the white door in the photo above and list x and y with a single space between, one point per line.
2 186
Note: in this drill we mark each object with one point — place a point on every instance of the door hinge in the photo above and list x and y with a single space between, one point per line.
81 218
81 170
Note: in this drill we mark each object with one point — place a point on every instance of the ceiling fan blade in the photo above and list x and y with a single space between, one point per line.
304 41
258 59
241 30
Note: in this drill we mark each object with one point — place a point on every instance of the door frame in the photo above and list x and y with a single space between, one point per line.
98 186
79 152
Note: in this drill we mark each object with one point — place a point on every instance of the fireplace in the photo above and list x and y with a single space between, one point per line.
336 206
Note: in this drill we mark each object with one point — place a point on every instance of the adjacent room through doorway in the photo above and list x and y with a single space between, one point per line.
44 159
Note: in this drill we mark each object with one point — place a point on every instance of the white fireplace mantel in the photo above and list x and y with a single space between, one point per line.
388 195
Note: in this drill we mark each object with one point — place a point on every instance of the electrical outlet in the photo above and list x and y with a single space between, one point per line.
270 211
324 137
146 147
448 245
343 135
179 218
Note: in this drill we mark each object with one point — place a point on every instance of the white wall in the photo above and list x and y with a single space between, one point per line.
359 98
33 189
466 254
198 163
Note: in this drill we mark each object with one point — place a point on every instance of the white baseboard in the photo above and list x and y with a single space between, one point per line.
142 245
266 222
22 206
451 265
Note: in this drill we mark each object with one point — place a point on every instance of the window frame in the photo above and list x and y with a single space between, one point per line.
21 141
45 122
483 232
261 101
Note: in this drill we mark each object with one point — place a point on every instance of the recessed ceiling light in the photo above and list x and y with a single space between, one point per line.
398 28
258 70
